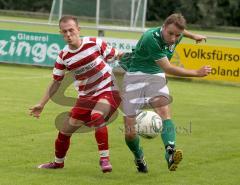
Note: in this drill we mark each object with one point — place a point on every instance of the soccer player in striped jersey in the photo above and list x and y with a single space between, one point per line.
98 95
145 84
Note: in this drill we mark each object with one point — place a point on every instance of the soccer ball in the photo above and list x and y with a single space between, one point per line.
148 124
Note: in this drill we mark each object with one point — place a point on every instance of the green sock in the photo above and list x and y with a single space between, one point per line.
134 146
168 134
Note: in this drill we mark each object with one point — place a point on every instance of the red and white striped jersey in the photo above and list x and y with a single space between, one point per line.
88 63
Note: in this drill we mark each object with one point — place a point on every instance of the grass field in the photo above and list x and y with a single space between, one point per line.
211 145
206 115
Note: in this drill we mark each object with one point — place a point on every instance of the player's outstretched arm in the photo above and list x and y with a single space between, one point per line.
36 110
204 71
179 71
120 55
198 38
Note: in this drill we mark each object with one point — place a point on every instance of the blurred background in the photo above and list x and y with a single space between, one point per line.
210 14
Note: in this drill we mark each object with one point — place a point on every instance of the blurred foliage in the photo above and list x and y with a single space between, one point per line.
207 13
26 5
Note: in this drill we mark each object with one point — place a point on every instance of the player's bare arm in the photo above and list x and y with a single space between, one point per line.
198 38
119 56
179 71
36 110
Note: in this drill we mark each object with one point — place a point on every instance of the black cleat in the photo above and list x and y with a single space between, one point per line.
141 165
175 157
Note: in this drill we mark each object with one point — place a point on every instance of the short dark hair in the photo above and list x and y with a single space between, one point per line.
177 19
66 18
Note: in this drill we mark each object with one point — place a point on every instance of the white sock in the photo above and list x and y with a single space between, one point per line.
104 153
59 160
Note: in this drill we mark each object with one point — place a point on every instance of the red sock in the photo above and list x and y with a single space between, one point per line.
96 120
101 135
61 145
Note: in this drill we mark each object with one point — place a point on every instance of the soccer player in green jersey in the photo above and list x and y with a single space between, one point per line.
145 84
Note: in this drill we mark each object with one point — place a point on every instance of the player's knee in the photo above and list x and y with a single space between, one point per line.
74 122
130 133
97 119
65 134
163 112
70 126
160 101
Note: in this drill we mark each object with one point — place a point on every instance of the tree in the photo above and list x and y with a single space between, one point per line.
26 5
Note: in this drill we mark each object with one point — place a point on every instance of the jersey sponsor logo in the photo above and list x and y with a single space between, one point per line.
85 68
68 61
172 47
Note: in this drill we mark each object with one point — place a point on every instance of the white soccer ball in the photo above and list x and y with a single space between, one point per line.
148 124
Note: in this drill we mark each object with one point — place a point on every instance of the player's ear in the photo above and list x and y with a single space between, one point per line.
164 27
60 31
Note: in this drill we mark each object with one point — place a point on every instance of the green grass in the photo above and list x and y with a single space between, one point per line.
211 150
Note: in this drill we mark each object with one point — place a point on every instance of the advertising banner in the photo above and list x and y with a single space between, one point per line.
225 61
42 49
29 48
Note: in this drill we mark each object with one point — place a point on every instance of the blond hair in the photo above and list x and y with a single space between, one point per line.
177 19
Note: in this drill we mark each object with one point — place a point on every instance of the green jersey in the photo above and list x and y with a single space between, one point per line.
150 48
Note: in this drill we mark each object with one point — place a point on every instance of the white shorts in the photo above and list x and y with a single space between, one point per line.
140 88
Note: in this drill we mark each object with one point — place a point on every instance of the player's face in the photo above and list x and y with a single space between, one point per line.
70 32
171 33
